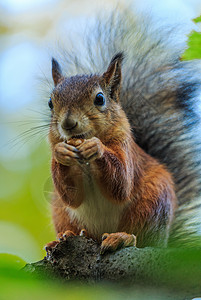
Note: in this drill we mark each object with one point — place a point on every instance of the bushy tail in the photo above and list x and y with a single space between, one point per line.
159 95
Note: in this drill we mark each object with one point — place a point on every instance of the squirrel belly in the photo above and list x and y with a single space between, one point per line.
140 201
97 214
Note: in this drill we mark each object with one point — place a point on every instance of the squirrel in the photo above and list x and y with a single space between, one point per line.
124 158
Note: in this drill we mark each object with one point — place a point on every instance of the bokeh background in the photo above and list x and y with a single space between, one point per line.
31 31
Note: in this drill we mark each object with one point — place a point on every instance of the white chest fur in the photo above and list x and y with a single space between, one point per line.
96 214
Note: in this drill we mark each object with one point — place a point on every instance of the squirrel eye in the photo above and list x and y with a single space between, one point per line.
100 99
50 103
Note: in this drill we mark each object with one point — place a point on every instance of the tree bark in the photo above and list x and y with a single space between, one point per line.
78 258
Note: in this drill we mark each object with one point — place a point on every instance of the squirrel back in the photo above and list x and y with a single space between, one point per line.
159 96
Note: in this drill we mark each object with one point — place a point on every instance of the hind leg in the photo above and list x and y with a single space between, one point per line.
113 241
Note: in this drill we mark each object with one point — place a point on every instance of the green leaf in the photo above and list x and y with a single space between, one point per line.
197 20
194 47
194 44
10 261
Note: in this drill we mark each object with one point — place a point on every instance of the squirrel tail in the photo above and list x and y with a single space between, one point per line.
160 95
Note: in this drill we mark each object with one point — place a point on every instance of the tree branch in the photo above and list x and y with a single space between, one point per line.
79 258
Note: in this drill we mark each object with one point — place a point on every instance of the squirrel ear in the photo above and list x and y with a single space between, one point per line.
112 76
56 71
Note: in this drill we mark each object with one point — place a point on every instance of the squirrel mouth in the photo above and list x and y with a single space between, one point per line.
78 136
81 136
68 135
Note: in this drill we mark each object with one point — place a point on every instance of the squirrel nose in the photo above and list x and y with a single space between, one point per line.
68 124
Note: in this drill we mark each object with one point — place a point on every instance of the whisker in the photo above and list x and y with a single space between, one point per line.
93 118
25 122
39 112
86 112
27 134
20 143
45 79
23 141
44 114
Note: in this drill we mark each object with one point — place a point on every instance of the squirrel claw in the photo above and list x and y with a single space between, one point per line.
50 246
63 236
83 232
113 241
104 236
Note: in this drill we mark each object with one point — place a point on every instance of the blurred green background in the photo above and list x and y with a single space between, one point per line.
30 33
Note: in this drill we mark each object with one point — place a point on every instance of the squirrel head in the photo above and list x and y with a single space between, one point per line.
84 106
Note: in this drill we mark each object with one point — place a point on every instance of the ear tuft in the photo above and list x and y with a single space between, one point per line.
56 71
112 76
118 57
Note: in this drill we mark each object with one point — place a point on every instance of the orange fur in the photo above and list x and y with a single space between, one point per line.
106 183
127 176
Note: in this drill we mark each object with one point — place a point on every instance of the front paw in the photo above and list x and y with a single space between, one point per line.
91 149
62 236
66 154
113 241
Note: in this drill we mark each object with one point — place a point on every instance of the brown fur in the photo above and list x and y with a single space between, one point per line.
139 190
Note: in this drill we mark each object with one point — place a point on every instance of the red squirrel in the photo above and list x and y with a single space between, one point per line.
103 181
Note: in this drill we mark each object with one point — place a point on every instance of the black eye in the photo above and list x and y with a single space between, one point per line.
50 103
100 99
